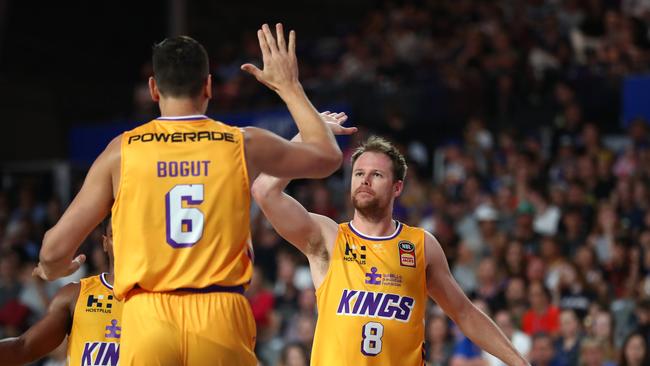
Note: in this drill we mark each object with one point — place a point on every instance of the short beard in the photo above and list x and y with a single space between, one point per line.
370 209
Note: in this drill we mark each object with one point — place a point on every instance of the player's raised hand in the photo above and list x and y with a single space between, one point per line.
50 276
280 68
335 123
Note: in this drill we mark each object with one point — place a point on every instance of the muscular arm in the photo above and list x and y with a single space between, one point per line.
271 154
45 335
87 210
477 326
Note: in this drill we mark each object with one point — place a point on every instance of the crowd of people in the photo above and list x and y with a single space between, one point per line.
507 111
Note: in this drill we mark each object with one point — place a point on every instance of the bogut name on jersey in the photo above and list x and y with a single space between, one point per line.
375 305
100 353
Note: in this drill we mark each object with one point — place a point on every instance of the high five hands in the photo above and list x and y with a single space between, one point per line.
280 70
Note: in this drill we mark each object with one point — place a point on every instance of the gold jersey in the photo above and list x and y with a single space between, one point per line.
181 214
372 301
96 325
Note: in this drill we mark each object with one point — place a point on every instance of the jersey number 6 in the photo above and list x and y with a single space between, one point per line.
184 225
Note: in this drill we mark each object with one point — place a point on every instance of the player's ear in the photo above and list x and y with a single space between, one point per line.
398 186
153 89
208 87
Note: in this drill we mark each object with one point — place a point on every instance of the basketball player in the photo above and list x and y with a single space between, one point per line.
372 274
180 195
87 311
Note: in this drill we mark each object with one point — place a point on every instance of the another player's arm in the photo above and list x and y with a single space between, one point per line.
87 210
473 322
44 336
317 155
306 231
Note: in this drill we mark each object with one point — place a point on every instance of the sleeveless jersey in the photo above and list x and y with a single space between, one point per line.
96 325
181 214
372 301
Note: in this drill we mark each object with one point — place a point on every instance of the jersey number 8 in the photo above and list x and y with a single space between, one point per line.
371 334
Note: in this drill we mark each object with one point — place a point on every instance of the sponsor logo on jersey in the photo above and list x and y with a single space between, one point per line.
375 305
100 353
182 137
406 253
97 304
355 253
386 279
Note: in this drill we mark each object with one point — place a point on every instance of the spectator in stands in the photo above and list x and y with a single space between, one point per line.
440 344
634 351
542 316
567 346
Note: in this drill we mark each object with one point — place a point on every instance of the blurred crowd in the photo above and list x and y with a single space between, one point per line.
509 114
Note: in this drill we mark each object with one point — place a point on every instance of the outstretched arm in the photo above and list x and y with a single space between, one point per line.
289 218
87 210
44 336
473 323
317 155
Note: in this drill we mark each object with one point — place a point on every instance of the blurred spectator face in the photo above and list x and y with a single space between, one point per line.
591 353
504 321
572 115
293 355
635 350
306 328
486 271
268 237
569 325
602 325
286 268
537 297
542 352
549 249
373 186
296 357
515 255
576 195
535 270
586 168
9 266
584 257
516 290
563 93
437 329
307 300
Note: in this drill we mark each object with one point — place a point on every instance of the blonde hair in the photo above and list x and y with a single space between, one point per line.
383 146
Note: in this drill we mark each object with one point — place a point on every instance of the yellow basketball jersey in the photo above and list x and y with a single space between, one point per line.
371 303
96 325
181 215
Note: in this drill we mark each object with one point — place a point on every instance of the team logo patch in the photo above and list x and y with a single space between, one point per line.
406 253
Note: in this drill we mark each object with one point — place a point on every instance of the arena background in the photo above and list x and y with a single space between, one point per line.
525 124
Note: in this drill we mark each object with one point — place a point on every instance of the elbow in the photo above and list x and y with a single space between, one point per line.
259 191
49 253
330 163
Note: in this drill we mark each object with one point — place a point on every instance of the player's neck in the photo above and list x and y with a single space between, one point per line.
109 278
175 107
384 226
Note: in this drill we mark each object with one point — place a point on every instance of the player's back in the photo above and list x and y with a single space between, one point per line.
181 214
96 324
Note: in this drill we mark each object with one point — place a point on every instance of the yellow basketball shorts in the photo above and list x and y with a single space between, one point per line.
181 328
